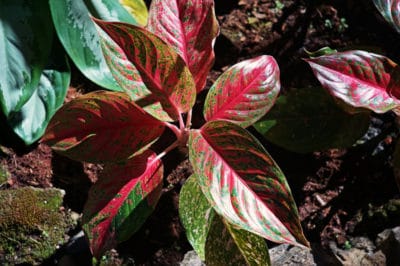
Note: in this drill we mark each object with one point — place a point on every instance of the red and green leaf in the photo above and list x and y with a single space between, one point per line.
190 27
243 183
245 92
390 10
216 241
121 200
359 78
102 126
162 70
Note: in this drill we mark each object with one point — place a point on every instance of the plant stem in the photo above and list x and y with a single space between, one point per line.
189 119
168 149
174 129
181 123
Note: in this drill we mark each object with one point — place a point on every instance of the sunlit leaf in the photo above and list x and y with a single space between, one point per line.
121 200
101 126
78 34
390 10
25 42
245 92
243 183
359 78
138 9
190 27
164 73
307 120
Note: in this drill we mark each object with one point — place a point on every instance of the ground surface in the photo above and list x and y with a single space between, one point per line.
339 192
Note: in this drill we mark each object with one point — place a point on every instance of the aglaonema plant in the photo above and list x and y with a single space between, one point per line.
237 195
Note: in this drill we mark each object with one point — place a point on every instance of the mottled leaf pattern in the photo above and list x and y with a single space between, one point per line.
101 126
190 27
308 119
229 245
138 9
243 183
359 78
390 10
121 200
196 215
245 92
25 43
163 72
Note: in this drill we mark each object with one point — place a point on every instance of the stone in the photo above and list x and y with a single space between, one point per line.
388 242
191 259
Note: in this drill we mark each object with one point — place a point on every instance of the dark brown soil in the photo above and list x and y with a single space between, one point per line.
334 189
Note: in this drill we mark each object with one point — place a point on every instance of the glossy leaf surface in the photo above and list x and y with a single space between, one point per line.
164 73
196 215
245 92
25 43
229 245
121 200
101 126
30 122
359 78
138 9
190 27
243 183
307 120
215 241
390 10
78 34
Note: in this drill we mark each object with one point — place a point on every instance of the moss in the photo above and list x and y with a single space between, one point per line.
4 174
31 224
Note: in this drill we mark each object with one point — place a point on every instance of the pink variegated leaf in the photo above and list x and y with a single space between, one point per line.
390 10
190 27
359 78
121 200
243 183
102 126
245 92
162 70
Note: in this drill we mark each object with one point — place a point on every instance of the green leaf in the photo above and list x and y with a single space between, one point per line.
31 120
307 120
121 200
25 42
138 9
78 34
243 183
215 241
196 215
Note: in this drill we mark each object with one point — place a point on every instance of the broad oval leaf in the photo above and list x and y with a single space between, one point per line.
163 71
216 241
25 42
190 27
30 122
243 183
245 92
390 10
102 126
78 34
138 10
359 78
121 200
307 120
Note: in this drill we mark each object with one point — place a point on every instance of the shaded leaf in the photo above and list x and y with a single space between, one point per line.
245 92
359 78
164 73
307 120
228 245
196 215
121 200
390 10
78 34
190 27
138 9
243 183
101 126
25 43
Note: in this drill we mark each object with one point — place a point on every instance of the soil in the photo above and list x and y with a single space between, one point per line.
338 192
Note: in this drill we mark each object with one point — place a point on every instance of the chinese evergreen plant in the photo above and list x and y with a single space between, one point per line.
237 194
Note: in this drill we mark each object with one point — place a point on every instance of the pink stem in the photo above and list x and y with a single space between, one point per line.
168 149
